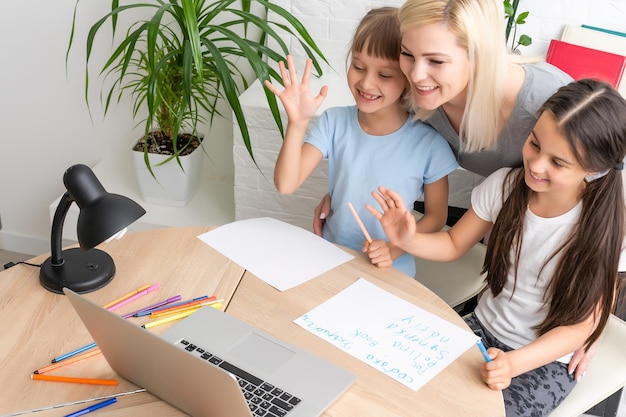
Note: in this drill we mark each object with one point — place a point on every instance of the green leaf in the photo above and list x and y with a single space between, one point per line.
521 18
525 40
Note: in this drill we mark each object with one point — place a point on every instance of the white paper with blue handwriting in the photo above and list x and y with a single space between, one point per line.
279 253
399 339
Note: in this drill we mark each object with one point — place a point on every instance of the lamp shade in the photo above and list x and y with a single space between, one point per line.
101 216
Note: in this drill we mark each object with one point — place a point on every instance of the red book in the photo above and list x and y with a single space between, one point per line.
582 62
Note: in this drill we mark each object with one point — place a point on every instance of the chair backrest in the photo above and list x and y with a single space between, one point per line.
454 282
606 373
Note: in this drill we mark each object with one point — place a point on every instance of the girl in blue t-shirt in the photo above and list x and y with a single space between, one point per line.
373 142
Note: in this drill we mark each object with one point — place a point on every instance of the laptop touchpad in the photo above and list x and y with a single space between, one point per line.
260 352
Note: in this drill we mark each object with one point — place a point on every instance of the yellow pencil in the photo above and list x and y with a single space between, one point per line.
177 316
56 378
182 308
361 225
124 297
169 318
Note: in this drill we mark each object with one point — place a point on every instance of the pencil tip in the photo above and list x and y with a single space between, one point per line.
143 325
36 372
53 361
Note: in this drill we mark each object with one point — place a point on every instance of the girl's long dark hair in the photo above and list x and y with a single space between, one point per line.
592 117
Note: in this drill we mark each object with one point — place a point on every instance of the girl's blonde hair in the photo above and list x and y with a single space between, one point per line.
479 26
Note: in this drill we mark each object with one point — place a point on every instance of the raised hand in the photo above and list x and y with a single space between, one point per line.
397 222
298 102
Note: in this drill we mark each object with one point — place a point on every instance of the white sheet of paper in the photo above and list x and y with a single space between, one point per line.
280 254
401 340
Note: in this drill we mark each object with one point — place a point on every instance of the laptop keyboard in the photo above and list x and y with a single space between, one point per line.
264 399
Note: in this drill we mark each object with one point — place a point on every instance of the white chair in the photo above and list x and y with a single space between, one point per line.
605 376
457 281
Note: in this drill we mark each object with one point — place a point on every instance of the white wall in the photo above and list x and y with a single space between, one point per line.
46 127
45 123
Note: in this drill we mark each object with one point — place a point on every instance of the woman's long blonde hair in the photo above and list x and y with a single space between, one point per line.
479 26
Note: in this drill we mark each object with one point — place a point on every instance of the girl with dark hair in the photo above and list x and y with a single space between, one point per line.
556 240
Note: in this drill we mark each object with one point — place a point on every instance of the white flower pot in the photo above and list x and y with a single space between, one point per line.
171 185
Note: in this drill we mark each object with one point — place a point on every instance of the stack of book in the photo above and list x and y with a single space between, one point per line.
591 52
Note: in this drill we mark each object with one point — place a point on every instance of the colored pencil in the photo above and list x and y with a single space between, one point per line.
482 349
185 308
134 297
68 361
130 294
358 220
93 407
189 304
74 352
170 318
56 378
152 307
180 303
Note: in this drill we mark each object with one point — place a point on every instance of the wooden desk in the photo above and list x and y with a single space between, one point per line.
182 264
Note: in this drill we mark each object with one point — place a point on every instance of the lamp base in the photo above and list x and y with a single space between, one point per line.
81 272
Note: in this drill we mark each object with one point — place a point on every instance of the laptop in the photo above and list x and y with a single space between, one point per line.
211 364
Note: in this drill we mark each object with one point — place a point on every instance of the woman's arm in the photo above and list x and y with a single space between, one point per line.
547 348
435 206
322 210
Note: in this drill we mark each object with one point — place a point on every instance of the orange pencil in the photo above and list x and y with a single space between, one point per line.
361 225
189 304
68 361
56 378
124 297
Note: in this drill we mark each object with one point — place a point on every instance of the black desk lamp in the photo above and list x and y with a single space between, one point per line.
102 216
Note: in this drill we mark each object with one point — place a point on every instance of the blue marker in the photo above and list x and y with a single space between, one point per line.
93 407
482 349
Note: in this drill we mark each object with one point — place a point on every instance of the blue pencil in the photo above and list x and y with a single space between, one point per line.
93 407
74 352
482 349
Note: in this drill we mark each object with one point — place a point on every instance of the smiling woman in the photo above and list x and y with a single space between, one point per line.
480 99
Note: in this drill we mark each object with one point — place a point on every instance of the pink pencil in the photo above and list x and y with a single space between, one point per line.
134 297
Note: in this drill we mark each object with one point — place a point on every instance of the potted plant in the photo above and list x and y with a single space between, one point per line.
513 20
184 57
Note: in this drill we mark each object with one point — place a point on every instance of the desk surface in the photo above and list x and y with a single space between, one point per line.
37 325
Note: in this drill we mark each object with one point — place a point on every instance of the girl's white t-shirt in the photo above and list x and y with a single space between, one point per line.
512 317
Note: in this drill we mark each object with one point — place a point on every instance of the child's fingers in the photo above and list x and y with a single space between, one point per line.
307 72
377 214
292 69
271 87
382 202
283 73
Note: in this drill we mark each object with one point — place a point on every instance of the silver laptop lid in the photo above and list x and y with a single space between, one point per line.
200 388
183 380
